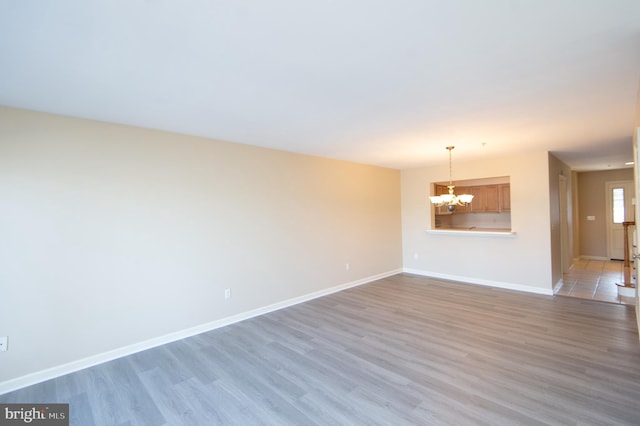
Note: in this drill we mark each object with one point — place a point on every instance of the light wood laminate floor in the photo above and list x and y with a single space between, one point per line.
401 350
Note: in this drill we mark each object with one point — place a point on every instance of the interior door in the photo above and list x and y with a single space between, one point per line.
620 195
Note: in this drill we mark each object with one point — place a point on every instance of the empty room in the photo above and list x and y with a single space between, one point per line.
356 213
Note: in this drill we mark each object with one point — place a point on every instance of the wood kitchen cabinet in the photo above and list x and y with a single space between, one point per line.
459 190
478 199
486 198
492 199
504 191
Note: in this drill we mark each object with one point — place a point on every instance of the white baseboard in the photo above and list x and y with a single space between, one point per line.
71 367
479 281
594 258
627 291
559 284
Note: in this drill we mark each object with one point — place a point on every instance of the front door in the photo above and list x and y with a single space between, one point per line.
619 209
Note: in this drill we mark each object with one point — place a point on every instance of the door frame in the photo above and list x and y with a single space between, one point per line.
566 254
636 175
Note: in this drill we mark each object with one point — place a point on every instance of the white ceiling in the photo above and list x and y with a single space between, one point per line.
389 83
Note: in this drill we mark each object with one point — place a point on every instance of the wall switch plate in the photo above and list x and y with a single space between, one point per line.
227 293
4 341
591 218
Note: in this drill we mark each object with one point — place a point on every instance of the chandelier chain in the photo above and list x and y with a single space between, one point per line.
450 148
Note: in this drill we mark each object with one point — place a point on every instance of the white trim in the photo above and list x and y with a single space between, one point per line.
73 366
564 203
636 181
626 291
470 233
479 281
559 284
594 258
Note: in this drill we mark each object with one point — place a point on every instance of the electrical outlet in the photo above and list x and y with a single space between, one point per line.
227 293
346 266
4 340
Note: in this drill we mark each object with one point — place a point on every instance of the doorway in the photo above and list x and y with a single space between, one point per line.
593 275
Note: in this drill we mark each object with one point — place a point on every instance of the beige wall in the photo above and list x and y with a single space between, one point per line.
592 202
113 235
523 262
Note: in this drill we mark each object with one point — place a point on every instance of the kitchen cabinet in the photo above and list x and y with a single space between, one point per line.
505 197
486 198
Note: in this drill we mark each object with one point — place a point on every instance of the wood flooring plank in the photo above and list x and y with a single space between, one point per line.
127 394
401 350
79 415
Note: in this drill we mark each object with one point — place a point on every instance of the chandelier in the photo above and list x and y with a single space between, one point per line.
451 200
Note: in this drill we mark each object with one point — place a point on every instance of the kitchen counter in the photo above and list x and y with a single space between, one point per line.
473 231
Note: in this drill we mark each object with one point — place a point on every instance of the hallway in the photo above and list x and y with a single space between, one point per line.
595 280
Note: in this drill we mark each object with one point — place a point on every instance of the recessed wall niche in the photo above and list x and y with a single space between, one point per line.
490 209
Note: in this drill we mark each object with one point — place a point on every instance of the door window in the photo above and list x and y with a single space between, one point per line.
618 205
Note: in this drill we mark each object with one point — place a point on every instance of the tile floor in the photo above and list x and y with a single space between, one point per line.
595 280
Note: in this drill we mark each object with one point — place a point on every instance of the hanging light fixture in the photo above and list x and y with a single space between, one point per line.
451 200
